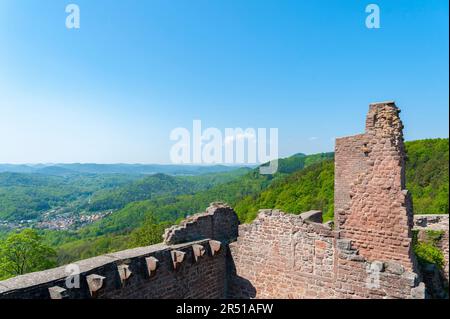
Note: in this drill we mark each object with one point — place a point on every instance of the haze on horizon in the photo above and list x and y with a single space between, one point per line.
112 91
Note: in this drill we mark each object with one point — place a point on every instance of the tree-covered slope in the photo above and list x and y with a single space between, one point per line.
156 185
26 196
311 188
427 173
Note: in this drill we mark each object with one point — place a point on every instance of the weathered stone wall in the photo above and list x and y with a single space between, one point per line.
219 222
285 256
372 207
192 270
282 256
350 162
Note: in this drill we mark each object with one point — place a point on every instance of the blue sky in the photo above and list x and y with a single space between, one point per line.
113 90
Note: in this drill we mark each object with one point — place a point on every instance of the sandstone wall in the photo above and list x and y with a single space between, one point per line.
350 161
219 222
372 207
284 256
191 270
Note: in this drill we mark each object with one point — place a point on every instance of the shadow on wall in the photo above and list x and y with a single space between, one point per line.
237 286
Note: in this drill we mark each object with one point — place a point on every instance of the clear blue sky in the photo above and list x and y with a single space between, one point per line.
113 90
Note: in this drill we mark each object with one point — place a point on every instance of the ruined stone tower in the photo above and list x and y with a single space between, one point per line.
372 206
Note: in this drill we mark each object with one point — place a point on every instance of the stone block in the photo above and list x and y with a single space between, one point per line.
394 268
124 272
344 244
57 292
95 283
418 292
215 247
377 266
177 258
198 251
152 265
411 277
312 216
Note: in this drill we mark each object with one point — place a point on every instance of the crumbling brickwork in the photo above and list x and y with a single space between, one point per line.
219 222
284 256
372 206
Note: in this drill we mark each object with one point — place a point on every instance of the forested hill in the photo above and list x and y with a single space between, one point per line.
26 196
427 172
107 169
311 188
156 185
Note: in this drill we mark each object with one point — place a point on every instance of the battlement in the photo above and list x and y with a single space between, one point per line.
189 270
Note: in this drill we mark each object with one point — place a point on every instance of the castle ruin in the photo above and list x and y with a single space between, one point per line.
367 254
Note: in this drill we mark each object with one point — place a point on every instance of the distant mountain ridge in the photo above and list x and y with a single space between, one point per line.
138 169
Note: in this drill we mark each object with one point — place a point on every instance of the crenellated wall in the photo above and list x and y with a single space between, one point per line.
191 263
190 270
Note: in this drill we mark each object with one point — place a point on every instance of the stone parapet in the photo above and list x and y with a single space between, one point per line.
219 222
189 270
